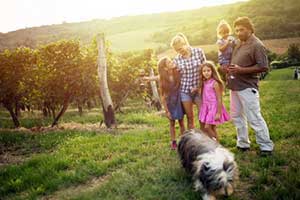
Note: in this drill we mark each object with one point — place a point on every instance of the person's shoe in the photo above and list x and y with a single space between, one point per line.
174 145
243 149
265 153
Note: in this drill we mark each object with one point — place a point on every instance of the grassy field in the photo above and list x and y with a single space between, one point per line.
79 160
133 40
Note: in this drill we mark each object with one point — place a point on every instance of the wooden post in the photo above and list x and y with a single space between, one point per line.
155 95
107 105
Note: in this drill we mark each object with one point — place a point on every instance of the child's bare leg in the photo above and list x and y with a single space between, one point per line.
181 126
214 128
209 130
202 126
172 130
188 108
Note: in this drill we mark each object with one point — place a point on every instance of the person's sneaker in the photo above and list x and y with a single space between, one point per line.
265 153
174 145
243 149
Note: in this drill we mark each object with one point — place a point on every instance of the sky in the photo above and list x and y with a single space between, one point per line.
17 14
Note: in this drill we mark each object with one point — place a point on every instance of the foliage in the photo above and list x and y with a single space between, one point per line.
293 52
17 85
62 73
290 58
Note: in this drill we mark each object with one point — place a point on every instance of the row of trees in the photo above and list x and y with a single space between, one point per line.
53 76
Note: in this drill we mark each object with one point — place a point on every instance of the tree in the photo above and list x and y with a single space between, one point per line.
16 76
107 105
88 87
294 52
59 63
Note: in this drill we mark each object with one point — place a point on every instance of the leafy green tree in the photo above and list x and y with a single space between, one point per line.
16 79
59 63
293 52
88 87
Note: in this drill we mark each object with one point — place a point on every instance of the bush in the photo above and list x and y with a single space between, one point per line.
279 64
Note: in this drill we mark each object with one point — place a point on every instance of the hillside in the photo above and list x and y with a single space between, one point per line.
278 46
272 18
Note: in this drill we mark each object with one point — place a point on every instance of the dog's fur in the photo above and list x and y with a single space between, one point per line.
212 167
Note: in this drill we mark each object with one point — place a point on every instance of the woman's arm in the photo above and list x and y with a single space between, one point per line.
218 91
151 78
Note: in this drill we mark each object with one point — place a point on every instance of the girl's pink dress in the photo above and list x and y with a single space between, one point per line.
209 105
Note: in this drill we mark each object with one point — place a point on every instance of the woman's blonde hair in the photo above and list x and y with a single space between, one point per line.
179 40
215 75
223 28
164 81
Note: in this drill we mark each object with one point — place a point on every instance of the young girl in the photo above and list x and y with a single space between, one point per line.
225 43
170 95
212 109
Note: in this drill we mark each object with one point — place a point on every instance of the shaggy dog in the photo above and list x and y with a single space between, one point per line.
212 167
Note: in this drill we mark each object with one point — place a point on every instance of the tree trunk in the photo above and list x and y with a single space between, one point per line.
80 109
45 112
52 109
155 95
14 117
62 111
89 104
28 107
107 105
17 109
118 106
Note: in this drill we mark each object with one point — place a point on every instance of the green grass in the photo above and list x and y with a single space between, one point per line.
136 163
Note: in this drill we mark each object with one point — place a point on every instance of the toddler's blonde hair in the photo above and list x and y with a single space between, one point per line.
223 28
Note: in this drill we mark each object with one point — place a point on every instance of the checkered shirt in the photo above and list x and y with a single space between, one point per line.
189 69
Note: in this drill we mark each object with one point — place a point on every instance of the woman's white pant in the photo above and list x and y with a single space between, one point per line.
245 107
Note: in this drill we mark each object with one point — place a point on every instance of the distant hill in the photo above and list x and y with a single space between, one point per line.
272 18
278 46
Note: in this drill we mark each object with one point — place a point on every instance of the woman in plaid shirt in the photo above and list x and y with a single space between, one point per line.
188 61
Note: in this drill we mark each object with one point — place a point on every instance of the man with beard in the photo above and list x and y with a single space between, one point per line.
249 58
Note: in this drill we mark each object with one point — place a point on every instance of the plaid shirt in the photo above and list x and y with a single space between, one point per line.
189 69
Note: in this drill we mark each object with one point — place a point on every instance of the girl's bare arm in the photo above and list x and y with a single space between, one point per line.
218 90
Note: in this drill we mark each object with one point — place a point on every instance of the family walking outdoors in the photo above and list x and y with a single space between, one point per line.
190 79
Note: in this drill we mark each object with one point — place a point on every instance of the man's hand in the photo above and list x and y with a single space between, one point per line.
235 69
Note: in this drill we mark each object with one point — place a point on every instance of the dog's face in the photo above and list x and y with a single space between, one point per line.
218 180
212 166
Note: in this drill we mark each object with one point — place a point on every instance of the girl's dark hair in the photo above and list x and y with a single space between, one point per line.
165 83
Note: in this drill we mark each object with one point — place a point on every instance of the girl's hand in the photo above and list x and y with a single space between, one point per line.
194 90
218 116
168 114
199 92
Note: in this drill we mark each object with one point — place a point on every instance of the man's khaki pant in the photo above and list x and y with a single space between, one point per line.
244 106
